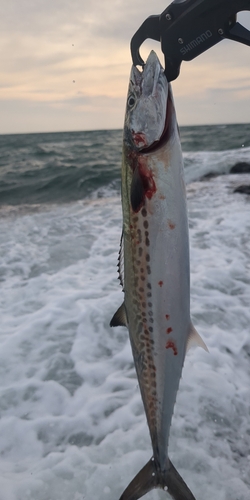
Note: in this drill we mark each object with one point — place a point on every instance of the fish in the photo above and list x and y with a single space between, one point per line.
154 267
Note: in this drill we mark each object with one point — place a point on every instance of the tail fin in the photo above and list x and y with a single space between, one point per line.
151 477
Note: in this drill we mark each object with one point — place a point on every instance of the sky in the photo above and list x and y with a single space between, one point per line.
65 66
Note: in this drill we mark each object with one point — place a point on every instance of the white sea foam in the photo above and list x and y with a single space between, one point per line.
199 163
72 423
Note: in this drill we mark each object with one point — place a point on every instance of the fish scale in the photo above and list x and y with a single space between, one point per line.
155 255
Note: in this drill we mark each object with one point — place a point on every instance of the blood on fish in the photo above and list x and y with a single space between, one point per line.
167 316
160 283
139 139
171 345
147 178
169 330
142 185
171 225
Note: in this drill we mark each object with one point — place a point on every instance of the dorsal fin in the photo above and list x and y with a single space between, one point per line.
120 317
120 264
195 339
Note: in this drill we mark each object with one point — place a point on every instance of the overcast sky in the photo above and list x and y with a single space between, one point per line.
65 65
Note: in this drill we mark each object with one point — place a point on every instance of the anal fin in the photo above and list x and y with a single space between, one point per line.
194 339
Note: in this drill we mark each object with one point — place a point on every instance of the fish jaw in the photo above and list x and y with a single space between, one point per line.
146 105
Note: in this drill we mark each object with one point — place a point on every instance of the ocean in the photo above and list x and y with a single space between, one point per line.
72 425
66 167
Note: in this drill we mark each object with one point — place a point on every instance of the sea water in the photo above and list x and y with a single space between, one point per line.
72 424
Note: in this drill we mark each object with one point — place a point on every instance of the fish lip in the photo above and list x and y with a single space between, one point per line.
151 68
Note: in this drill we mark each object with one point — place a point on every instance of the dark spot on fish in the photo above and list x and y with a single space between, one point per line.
151 329
140 251
144 212
145 224
146 233
147 242
150 313
149 269
149 285
151 320
150 304
149 294
148 257
141 289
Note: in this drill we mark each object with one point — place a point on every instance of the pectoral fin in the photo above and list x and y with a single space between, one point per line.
195 339
137 194
120 317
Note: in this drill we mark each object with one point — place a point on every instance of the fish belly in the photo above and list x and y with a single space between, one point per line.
157 292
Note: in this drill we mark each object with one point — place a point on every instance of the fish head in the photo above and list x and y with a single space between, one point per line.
148 105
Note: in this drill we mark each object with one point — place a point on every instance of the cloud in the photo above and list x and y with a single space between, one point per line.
64 57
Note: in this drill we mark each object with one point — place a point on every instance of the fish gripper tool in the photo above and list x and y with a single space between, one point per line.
187 28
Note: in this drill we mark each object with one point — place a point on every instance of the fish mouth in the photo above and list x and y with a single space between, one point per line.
149 108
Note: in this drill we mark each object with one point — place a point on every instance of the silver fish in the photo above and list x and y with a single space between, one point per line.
154 265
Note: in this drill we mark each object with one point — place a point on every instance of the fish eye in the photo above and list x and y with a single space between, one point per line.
131 100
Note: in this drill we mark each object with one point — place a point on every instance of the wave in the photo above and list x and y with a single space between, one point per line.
65 167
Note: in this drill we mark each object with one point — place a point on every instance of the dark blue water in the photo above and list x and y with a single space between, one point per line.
63 167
